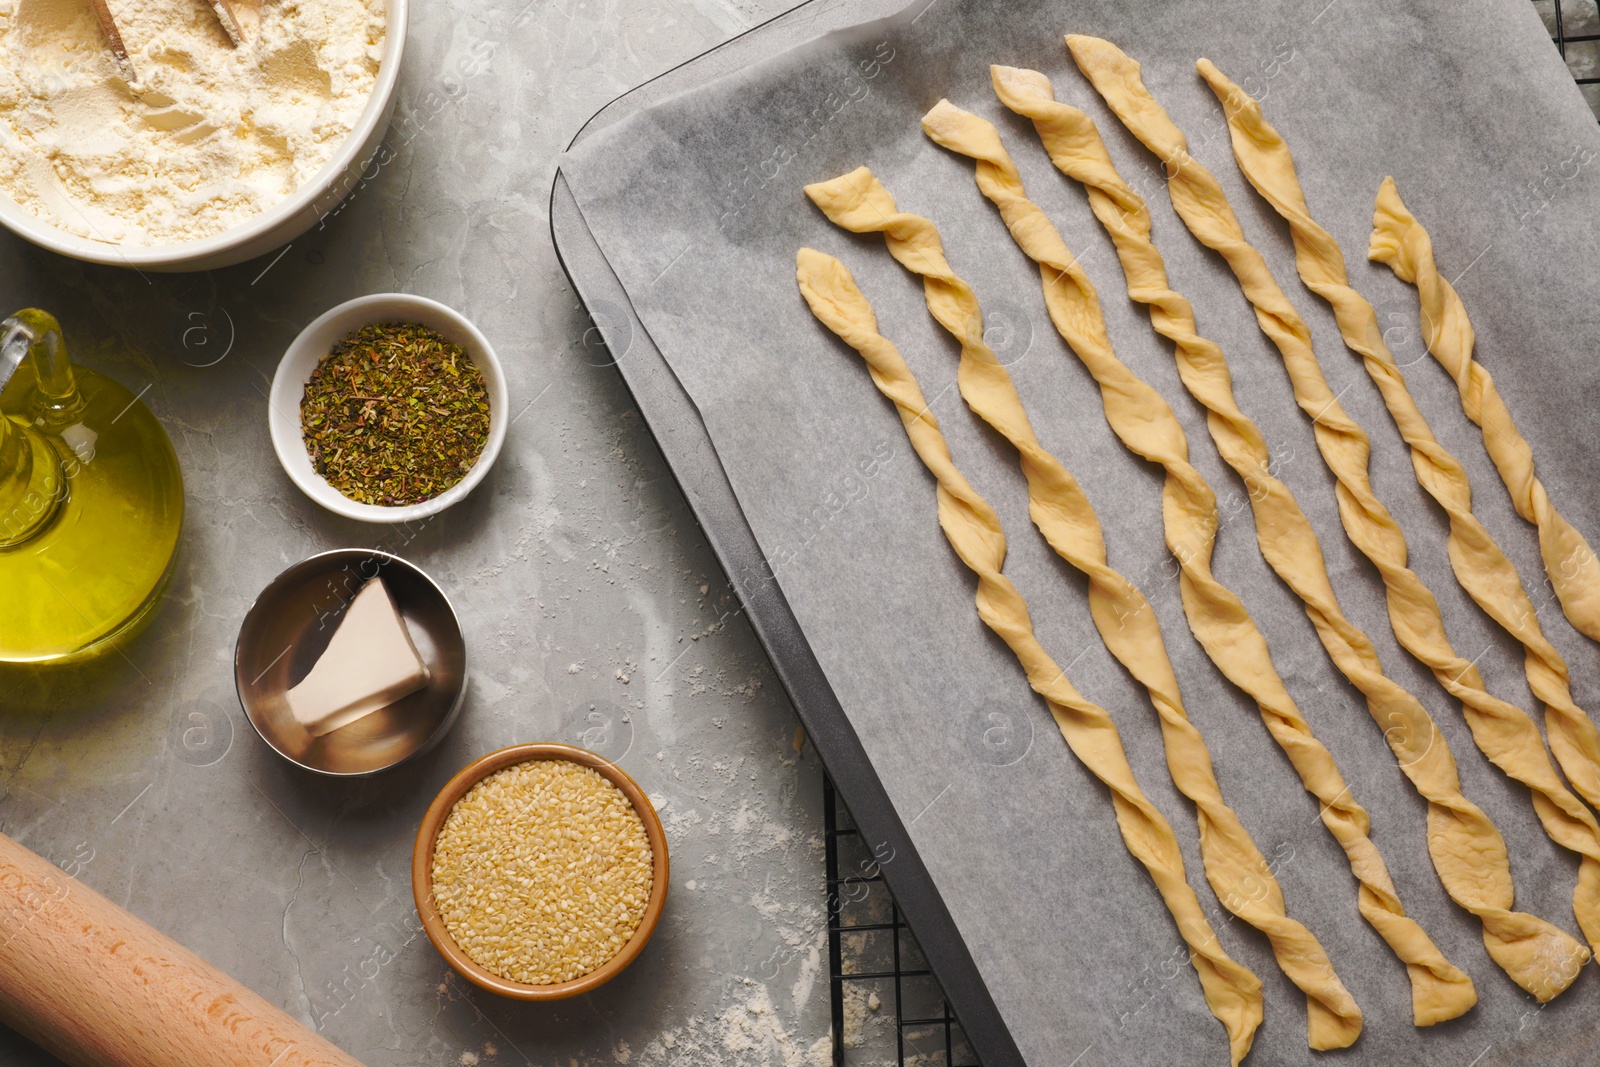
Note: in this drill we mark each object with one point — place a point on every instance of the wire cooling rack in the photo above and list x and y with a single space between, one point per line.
887 1006
1574 26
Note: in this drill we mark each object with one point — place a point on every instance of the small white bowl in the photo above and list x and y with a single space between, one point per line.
315 341
356 162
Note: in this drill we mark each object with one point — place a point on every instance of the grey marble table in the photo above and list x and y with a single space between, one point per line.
592 609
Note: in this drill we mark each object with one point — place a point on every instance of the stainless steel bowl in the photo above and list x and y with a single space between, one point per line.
289 626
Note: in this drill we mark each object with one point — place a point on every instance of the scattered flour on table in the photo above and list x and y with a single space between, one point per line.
864 1027
748 1033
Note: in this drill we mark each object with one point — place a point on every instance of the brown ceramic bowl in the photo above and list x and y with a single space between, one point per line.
422 872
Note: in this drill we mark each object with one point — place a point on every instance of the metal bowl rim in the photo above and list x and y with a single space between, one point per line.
445 724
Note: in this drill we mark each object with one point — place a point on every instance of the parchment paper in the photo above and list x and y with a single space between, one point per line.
698 205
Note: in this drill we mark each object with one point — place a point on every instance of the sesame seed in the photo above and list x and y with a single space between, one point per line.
542 871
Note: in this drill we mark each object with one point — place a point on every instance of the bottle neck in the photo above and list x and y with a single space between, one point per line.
32 483
32 488
35 336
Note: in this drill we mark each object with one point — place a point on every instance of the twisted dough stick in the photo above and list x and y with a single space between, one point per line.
1467 849
1399 240
1439 991
1505 733
1126 622
1233 993
1147 425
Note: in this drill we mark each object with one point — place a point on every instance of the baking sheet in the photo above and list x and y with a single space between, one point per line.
697 205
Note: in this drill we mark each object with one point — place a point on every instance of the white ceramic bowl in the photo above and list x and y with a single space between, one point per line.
293 216
314 342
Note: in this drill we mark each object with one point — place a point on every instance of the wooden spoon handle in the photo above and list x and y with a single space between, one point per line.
99 988
229 20
119 51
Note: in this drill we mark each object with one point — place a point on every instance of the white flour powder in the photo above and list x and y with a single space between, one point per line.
213 136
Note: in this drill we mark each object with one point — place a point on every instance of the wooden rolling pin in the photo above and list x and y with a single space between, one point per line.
99 988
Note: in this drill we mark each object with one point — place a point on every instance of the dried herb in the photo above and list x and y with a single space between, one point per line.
395 414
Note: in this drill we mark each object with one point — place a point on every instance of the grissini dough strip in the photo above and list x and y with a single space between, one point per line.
1222 625
1439 991
1127 624
97 987
1466 847
973 529
1399 241
1505 733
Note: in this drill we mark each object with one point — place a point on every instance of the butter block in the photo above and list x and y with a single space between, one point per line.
369 664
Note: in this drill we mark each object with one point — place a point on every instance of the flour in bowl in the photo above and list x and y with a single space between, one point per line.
209 137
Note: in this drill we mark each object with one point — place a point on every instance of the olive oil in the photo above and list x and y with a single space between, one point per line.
91 502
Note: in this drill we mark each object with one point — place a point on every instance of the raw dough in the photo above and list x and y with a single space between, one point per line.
1399 240
1467 850
1439 991
1147 426
1233 993
1505 733
1127 623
